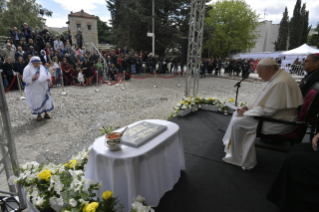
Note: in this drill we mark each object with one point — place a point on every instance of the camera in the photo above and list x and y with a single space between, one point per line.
22 26
10 30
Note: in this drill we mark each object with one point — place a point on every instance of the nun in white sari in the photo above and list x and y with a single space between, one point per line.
37 90
279 98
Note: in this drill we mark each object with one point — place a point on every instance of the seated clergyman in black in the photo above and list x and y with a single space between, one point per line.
311 66
296 187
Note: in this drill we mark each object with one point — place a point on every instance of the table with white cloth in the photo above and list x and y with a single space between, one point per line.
149 170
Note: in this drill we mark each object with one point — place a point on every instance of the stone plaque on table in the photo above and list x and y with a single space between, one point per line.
142 133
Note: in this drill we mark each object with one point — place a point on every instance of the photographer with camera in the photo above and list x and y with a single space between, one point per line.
16 35
26 31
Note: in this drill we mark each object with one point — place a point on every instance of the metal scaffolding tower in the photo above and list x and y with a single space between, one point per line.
9 162
195 45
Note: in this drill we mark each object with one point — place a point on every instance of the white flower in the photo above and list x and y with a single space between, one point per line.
35 192
60 201
53 201
184 107
39 201
139 198
12 180
73 202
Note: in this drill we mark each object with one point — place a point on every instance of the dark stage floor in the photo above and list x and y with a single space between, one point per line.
210 185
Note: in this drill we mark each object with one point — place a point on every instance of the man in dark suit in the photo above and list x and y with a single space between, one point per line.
311 66
26 32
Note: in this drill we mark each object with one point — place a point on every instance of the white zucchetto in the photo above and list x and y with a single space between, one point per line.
267 62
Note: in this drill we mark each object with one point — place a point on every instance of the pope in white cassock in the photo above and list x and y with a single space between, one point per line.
37 90
279 98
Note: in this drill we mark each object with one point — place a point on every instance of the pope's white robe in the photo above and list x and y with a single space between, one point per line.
37 92
279 99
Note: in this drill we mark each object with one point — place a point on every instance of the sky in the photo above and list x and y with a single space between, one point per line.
274 9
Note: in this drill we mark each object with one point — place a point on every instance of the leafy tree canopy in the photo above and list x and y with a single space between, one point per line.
104 31
233 25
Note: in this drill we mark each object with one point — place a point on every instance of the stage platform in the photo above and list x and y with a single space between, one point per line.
210 185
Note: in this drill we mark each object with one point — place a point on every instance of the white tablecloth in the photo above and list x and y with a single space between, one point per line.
149 170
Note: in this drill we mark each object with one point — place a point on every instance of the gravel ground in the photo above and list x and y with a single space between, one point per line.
79 114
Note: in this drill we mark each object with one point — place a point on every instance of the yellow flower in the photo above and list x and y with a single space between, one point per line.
66 164
189 101
45 175
91 207
107 194
176 111
190 96
211 99
231 100
197 98
72 164
182 102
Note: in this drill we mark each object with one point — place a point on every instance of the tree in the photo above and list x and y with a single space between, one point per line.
104 31
296 27
17 12
234 26
132 19
313 40
281 43
306 28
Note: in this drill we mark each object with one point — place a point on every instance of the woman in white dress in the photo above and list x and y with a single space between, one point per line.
37 90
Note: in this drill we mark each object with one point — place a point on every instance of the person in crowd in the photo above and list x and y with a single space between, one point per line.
36 30
52 54
67 48
94 57
231 67
125 50
9 69
59 54
33 36
226 66
8 41
27 61
73 56
8 52
94 71
164 66
20 65
218 66
35 46
296 186
80 77
26 31
245 67
44 58
112 72
38 96
83 51
145 56
44 32
80 57
86 67
279 99
57 66
52 70
311 66
79 39
68 37
47 50
67 72
20 53
23 46
138 63
202 69
58 43
153 64
16 36
32 52
133 64
99 64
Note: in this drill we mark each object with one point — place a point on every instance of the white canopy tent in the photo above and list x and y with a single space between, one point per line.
303 50
260 55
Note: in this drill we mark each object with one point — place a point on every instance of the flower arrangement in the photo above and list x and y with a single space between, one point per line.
192 102
64 186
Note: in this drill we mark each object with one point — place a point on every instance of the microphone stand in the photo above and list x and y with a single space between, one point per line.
238 84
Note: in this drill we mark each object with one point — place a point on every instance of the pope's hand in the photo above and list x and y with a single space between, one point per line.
48 80
315 142
241 111
35 77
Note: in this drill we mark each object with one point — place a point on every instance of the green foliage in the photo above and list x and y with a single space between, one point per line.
232 25
104 31
19 12
132 19
313 40
298 27
281 43
105 130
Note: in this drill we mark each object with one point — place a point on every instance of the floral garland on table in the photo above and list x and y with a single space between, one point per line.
193 103
49 184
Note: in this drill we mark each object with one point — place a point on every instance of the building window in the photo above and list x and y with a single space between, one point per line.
89 27
78 26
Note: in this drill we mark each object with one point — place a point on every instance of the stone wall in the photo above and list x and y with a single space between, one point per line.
88 35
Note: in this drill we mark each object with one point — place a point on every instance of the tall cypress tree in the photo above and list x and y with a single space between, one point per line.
306 28
296 27
281 43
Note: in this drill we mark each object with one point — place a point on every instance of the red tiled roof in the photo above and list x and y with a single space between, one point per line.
82 14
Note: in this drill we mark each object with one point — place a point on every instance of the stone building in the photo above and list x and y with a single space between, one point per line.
268 35
86 23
